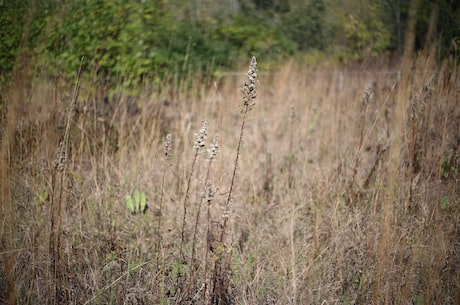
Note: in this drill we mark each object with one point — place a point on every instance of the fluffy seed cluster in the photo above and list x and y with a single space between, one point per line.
168 145
210 192
200 137
418 102
60 159
413 110
427 91
368 93
292 112
225 211
214 149
249 88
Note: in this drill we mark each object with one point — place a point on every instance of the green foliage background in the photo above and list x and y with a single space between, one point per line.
11 26
134 40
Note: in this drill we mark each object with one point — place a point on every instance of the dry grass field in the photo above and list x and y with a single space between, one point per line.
329 186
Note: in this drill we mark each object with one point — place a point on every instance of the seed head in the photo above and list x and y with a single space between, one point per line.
214 149
426 93
418 102
249 87
200 137
368 93
168 146
292 112
60 159
413 109
209 192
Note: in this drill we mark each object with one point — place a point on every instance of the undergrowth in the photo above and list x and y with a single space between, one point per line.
325 188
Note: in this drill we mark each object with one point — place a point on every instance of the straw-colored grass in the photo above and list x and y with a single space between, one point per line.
338 195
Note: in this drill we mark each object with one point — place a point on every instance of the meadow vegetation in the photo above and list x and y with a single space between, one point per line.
336 186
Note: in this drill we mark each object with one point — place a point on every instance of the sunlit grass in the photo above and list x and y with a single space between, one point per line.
332 199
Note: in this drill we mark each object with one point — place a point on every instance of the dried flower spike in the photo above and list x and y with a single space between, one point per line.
60 159
413 109
368 93
168 145
418 102
249 88
426 93
292 112
210 192
214 149
200 138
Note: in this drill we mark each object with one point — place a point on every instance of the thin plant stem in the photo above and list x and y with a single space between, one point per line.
198 145
160 265
232 183
184 218
60 166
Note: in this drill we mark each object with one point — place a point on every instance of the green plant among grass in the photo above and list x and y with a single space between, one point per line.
137 203
449 165
41 197
444 202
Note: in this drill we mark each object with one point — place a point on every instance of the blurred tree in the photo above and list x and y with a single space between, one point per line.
438 22
256 36
279 6
395 9
137 39
306 26
118 38
12 16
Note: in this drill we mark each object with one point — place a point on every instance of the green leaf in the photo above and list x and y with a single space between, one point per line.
420 299
143 203
43 196
444 202
129 203
137 200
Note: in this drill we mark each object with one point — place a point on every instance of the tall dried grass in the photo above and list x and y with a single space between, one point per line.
335 198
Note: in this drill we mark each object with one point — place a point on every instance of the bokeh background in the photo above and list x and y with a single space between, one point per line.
138 39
